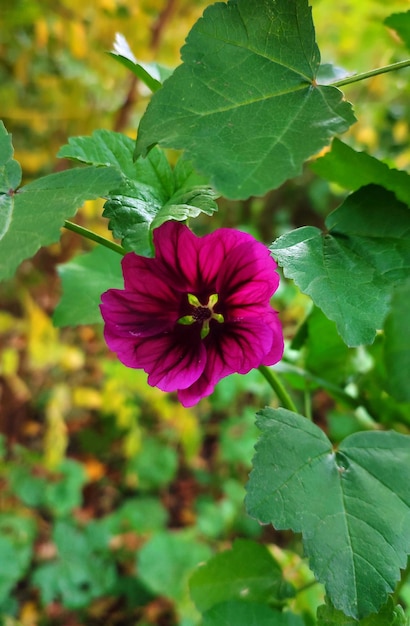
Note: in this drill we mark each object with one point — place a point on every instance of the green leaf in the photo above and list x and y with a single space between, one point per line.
350 270
151 74
65 494
84 279
397 344
103 147
166 561
400 22
152 192
389 615
33 215
16 547
10 170
79 574
352 505
240 613
326 354
247 571
351 170
245 105
155 465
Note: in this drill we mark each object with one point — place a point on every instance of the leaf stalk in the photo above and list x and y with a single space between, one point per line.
278 388
376 72
89 234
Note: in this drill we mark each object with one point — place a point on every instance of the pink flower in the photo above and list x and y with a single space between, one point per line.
196 312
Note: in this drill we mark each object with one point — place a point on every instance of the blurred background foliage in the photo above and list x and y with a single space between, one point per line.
111 492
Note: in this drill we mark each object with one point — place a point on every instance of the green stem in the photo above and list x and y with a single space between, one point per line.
380 70
89 234
278 388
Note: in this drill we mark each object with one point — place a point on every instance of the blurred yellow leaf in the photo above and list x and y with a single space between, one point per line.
56 439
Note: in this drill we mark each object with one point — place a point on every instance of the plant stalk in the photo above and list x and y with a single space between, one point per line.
380 70
89 234
278 388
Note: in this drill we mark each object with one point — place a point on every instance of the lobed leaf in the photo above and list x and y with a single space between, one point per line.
151 193
351 505
352 170
32 216
245 104
350 270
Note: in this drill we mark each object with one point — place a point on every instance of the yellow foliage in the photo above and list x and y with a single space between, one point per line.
56 439
41 31
44 346
87 398
78 40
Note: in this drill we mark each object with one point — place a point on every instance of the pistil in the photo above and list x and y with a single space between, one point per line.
202 313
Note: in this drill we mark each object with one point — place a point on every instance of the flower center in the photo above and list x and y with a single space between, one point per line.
202 313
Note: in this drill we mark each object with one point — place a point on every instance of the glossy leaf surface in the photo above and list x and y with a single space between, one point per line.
245 104
350 270
32 216
152 192
341 501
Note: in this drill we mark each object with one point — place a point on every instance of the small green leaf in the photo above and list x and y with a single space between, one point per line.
400 22
351 505
167 560
32 216
350 271
397 344
84 279
325 352
10 170
103 147
389 615
152 192
79 574
351 170
151 74
240 613
248 571
245 104
16 547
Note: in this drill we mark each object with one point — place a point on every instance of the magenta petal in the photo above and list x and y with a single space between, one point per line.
170 365
276 352
240 348
176 248
248 275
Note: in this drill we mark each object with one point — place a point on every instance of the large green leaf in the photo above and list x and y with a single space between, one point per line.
350 270
245 104
352 170
248 571
352 505
84 279
152 192
397 344
32 216
389 615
